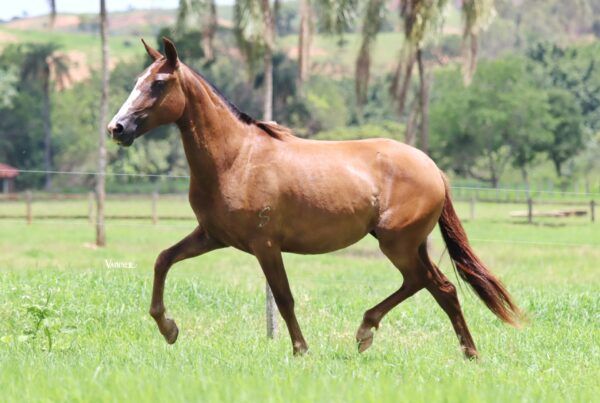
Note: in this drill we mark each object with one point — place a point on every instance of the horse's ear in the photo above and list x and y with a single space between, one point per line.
153 53
171 52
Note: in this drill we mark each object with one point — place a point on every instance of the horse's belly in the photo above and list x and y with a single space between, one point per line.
320 233
321 243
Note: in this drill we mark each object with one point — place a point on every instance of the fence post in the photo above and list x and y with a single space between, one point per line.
91 207
472 209
271 313
28 206
529 210
593 210
154 203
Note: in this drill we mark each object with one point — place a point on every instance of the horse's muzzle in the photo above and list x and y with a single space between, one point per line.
122 133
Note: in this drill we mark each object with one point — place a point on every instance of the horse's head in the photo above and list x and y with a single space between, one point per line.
156 99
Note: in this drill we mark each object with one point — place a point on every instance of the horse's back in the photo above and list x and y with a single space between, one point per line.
409 185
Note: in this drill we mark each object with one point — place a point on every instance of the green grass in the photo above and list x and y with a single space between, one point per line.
121 47
105 347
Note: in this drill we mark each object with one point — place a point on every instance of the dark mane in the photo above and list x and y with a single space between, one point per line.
271 128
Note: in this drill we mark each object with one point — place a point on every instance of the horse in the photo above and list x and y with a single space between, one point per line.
256 187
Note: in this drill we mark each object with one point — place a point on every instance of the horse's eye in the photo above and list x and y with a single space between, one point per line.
158 85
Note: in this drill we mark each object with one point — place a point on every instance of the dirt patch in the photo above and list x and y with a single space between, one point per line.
79 69
314 52
61 23
6 37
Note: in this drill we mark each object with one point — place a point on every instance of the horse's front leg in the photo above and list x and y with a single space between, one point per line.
271 262
195 244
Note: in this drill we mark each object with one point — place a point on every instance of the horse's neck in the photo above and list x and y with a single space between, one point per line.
212 136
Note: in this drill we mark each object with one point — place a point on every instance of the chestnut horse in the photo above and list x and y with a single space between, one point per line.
258 188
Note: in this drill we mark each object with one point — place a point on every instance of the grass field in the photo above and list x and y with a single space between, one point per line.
105 347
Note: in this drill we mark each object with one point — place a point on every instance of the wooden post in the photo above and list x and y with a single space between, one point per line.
154 203
28 206
472 208
91 207
271 313
593 210
529 210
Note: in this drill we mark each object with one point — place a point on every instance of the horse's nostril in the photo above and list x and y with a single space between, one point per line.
118 128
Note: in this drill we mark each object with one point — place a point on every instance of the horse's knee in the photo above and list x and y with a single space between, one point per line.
448 288
163 261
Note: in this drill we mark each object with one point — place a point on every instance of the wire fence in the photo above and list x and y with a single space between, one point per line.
29 206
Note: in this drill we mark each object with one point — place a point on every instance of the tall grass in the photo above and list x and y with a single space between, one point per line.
105 346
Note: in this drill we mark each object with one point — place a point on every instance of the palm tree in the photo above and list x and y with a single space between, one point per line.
335 16
477 15
269 22
100 178
202 13
52 5
371 26
43 64
255 33
304 40
422 19
254 27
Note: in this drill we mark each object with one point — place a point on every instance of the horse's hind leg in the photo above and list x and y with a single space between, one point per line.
414 280
195 244
444 293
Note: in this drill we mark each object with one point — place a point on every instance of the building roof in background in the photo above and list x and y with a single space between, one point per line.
6 171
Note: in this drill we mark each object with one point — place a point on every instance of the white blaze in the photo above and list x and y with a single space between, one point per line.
135 93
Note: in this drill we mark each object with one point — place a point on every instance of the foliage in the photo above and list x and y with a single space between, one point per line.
501 118
387 129
337 16
250 32
562 94
574 69
8 82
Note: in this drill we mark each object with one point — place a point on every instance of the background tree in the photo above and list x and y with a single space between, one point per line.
305 39
255 34
203 14
8 82
103 121
422 21
502 118
45 66
567 133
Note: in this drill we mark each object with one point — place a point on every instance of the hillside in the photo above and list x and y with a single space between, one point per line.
77 34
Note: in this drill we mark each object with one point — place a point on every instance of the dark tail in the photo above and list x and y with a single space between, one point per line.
471 268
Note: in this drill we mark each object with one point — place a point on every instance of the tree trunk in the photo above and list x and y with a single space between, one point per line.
52 4
557 167
424 103
268 60
403 90
47 125
361 79
304 40
208 33
525 175
100 178
411 125
470 62
271 306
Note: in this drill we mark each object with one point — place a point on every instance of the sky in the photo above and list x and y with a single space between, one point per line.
19 8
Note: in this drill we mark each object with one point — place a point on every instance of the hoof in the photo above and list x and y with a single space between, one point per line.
300 350
171 332
364 338
471 354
